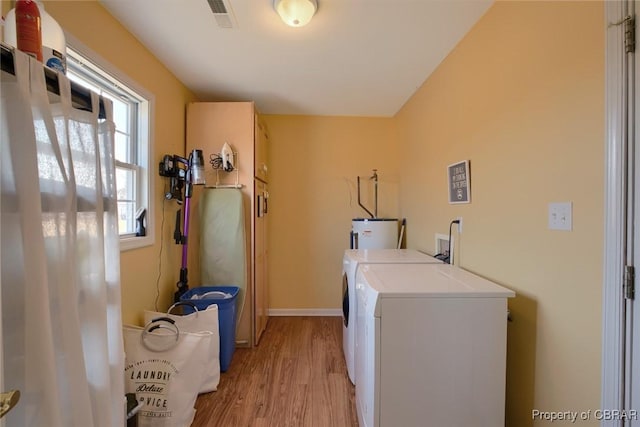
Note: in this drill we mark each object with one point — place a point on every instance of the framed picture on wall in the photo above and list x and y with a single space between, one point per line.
458 178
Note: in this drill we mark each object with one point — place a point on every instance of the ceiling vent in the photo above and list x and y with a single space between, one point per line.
223 13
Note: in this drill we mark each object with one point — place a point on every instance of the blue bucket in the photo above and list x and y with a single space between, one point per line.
225 298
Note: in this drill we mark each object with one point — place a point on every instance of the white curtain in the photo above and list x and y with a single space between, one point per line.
60 272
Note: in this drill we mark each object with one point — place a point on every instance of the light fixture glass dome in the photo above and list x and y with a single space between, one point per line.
296 13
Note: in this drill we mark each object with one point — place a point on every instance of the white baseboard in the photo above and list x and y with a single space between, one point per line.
333 312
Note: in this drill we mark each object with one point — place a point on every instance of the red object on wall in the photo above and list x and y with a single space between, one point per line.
29 28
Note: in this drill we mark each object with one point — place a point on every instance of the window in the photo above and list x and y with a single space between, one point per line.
132 118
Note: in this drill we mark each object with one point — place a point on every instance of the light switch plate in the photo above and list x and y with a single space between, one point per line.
560 216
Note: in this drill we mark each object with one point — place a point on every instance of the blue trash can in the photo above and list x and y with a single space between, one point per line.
225 298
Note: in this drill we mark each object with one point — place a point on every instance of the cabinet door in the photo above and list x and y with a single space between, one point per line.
261 141
261 314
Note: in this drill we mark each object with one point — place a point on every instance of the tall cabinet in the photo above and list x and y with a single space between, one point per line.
209 126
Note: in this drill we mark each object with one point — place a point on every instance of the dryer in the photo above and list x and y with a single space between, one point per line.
350 262
430 347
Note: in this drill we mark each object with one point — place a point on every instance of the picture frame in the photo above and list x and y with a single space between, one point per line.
458 179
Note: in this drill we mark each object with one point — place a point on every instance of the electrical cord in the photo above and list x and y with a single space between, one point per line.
164 199
216 161
455 221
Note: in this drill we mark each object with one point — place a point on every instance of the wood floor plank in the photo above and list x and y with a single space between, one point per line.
295 377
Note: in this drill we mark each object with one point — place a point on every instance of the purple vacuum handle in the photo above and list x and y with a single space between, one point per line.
185 231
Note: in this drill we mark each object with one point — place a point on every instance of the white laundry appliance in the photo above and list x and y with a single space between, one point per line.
374 233
430 347
350 262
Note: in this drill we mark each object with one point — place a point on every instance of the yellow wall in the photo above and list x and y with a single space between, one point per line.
313 165
90 23
522 98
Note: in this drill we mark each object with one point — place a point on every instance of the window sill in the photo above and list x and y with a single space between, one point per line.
128 243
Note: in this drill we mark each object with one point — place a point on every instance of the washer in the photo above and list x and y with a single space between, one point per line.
350 262
430 347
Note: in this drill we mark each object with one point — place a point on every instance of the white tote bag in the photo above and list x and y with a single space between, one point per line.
163 367
204 320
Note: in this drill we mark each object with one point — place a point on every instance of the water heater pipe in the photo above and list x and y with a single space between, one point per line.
373 177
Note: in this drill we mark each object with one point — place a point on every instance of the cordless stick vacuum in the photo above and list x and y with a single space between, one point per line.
185 173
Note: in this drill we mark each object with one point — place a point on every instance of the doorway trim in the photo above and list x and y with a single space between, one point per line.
613 329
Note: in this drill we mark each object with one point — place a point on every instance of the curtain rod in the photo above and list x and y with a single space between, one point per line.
80 96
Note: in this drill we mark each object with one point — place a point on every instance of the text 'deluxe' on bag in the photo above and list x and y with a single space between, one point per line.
198 321
163 367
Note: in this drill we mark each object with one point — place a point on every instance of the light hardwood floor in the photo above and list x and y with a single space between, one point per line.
295 377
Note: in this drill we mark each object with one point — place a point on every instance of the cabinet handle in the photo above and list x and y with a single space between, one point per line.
266 202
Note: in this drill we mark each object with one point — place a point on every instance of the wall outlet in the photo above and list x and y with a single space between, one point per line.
560 216
459 224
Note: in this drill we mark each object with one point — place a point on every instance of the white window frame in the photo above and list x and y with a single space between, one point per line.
145 171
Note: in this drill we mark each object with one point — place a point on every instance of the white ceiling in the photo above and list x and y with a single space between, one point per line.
355 58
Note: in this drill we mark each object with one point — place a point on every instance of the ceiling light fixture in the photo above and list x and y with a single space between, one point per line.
296 13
